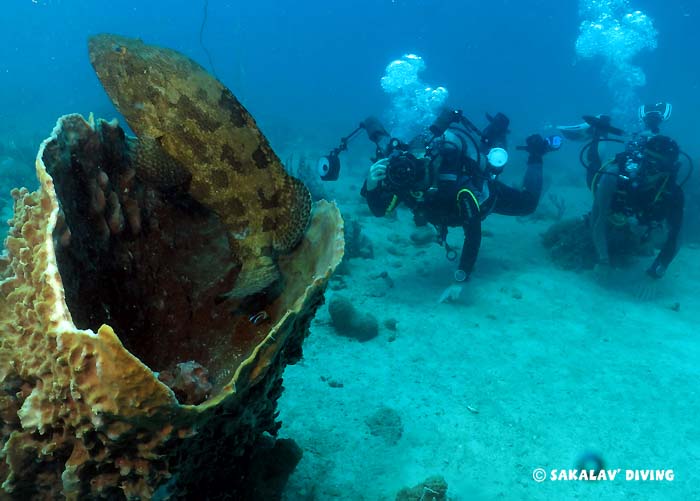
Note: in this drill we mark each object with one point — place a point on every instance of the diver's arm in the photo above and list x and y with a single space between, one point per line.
532 182
471 224
602 203
592 154
593 162
379 200
670 247
513 202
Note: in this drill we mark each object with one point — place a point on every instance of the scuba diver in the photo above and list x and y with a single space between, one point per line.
437 179
640 183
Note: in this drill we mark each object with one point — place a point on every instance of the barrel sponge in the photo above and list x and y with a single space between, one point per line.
82 416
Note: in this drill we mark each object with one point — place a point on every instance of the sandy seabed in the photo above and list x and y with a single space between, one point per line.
533 367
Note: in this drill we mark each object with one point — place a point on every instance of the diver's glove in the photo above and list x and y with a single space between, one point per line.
377 173
536 146
454 291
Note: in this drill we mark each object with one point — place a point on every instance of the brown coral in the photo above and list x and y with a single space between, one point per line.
126 282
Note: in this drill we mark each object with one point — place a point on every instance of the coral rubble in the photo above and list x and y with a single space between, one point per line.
432 489
348 321
385 423
571 247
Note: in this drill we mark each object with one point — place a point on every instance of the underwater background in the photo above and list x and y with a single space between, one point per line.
309 72
307 68
536 366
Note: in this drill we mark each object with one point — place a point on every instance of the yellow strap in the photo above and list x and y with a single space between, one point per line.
661 190
617 219
594 181
476 201
392 205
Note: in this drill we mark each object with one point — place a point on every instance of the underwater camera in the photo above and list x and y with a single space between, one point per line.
404 170
329 166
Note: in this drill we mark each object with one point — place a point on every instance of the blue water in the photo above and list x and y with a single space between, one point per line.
311 68
310 71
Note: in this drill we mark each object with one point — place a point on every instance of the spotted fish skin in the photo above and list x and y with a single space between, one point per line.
175 105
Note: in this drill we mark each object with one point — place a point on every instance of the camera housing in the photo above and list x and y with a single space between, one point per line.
404 170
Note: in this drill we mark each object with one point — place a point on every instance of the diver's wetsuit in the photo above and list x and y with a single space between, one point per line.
456 204
649 204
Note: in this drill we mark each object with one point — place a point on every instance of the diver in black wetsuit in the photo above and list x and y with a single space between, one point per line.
640 183
446 187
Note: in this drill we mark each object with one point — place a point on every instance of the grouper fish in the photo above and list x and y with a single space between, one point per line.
193 134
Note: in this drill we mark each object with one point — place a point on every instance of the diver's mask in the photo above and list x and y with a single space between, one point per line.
450 147
652 115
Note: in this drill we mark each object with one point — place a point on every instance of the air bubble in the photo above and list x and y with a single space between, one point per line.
414 105
612 30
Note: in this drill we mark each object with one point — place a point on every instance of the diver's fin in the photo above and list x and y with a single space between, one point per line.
598 125
602 125
579 132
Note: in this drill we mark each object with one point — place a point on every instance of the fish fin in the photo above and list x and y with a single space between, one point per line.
254 277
